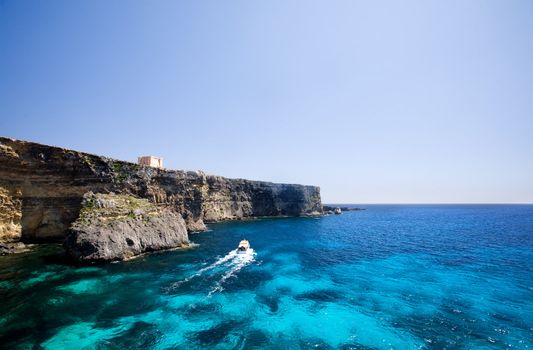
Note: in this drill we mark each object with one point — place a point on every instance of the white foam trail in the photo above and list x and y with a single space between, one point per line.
228 257
237 263
234 261
231 255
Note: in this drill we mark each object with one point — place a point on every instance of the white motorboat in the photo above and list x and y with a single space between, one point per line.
244 247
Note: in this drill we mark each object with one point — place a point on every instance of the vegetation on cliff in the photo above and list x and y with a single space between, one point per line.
111 207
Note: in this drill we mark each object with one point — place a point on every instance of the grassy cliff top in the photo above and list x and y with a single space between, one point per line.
112 207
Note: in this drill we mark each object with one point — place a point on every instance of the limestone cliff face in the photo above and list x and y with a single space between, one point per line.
10 215
42 188
118 227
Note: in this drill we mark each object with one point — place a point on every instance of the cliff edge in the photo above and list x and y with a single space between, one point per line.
42 190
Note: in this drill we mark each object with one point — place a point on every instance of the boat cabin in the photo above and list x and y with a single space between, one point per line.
244 245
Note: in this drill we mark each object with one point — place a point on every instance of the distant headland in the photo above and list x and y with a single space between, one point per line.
333 209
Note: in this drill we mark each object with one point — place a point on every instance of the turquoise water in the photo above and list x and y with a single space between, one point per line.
390 277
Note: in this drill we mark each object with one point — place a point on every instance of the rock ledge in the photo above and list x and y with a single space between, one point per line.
119 227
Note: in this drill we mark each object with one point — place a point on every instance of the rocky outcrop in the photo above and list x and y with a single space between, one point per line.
13 248
43 187
118 227
327 209
10 215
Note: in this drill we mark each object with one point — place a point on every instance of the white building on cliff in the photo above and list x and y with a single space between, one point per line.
156 162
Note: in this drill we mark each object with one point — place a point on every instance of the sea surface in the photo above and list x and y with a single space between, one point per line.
388 277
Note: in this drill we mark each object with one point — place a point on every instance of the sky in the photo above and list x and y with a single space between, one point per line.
373 101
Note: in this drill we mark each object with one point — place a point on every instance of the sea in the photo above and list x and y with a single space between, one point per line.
387 277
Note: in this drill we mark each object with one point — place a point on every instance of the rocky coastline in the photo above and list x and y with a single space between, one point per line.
328 209
52 194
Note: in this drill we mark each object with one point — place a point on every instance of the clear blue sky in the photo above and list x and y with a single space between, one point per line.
375 101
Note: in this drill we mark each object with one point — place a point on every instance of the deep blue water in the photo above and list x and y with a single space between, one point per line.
389 277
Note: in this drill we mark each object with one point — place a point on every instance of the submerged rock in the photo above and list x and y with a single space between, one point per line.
13 248
118 227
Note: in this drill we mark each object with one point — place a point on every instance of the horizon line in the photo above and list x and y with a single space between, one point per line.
436 203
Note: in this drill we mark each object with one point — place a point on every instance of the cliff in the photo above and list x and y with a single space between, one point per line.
118 227
42 189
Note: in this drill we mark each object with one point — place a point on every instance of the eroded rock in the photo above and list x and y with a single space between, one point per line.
10 215
118 227
13 248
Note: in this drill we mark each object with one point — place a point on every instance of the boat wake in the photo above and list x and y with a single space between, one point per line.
231 264
237 263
